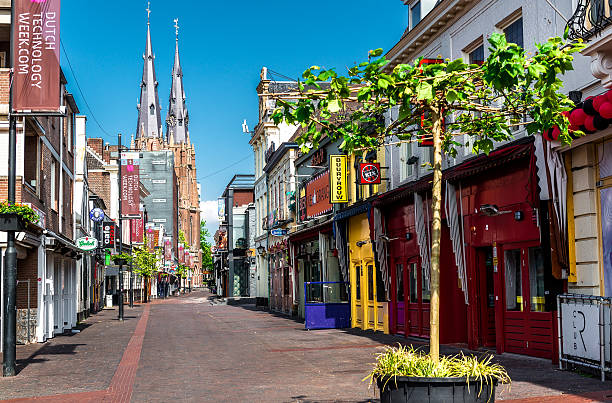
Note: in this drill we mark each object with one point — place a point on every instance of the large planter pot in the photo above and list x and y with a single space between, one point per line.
11 222
442 390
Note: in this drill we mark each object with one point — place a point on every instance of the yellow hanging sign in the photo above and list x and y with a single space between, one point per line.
338 178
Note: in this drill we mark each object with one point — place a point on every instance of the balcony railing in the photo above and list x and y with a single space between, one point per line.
589 19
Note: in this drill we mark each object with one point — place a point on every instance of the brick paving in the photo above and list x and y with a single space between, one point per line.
187 349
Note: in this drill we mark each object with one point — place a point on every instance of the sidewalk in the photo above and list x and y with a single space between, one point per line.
73 363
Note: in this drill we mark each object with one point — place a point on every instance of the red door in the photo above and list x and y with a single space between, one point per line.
527 324
486 296
417 298
399 296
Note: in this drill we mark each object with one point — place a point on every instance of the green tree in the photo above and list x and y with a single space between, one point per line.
145 263
205 246
440 102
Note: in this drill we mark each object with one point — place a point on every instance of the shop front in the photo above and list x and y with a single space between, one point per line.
369 305
498 283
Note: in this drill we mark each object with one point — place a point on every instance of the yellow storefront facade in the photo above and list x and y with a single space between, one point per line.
369 306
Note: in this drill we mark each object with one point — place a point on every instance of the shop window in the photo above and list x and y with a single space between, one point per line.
358 282
514 289
414 284
399 269
605 159
370 282
536 280
425 288
381 295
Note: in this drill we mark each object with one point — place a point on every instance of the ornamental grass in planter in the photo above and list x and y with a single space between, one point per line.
404 374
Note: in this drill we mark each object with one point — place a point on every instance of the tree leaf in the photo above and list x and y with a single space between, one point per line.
424 91
333 106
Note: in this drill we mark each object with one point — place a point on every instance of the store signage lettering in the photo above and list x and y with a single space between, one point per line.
338 178
319 157
36 82
87 243
369 173
278 232
96 214
317 196
109 235
130 185
137 230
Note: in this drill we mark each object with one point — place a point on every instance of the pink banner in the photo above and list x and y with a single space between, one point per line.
130 185
181 253
167 249
36 81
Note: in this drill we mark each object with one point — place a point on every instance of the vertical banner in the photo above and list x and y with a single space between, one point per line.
221 208
150 239
130 185
36 81
167 249
137 230
108 231
181 253
338 177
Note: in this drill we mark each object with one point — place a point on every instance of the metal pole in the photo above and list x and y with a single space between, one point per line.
131 286
120 234
10 275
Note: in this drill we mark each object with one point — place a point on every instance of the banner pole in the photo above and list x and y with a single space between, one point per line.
120 231
9 321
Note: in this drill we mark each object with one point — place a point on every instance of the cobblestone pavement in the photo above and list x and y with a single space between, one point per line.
186 349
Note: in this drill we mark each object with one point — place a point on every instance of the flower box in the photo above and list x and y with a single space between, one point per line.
11 222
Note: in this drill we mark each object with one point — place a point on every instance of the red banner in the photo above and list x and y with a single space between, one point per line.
150 239
181 253
36 82
137 230
130 185
317 196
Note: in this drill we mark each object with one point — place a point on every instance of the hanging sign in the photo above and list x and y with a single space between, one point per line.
167 249
317 196
109 234
36 81
338 178
278 232
86 243
221 208
96 214
130 185
369 173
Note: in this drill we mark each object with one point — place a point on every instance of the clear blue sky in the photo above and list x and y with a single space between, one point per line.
223 44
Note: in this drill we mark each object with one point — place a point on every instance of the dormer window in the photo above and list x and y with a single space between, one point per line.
415 14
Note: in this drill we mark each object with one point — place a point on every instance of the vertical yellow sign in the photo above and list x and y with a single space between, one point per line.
338 178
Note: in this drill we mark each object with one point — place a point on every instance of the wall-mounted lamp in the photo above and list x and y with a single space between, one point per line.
412 160
491 210
361 243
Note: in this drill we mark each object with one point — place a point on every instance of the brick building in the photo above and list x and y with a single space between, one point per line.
46 253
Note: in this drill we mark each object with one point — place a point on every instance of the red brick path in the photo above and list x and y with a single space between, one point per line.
121 386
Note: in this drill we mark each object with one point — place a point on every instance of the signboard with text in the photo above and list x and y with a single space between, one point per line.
108 231
36 82
317 196
137 230
338 178
369 173
130 185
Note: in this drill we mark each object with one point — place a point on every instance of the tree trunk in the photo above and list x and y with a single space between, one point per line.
436 205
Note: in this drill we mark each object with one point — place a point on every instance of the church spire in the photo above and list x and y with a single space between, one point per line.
149 111
178 118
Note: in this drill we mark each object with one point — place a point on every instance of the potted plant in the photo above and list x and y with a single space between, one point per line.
122 259
15 216
404 374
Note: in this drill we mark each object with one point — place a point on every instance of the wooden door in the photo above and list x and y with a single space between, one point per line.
357 293
527 324
417 299
399 294
370 293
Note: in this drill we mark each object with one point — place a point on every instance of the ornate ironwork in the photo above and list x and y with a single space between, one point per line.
589 19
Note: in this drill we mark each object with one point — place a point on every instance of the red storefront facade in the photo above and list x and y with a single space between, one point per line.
508 295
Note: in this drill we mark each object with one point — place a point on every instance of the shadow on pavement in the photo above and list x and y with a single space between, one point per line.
49 349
